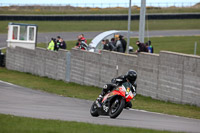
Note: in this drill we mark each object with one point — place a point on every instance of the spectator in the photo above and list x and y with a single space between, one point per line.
51 44
57 45
123 42
112 44
119 46
81 43
62 45
82 38
141 47
78 41
105 44
150 47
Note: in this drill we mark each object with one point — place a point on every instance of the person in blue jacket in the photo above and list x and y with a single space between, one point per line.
150 47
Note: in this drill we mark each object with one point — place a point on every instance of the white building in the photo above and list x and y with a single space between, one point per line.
22 35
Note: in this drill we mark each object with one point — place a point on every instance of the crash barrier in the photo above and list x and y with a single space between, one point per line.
38 62
96 17
168 76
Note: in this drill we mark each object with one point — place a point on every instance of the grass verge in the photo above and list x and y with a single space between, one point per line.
69 26
90 93
14 124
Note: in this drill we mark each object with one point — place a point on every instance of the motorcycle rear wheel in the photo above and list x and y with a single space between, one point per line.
116 108
94 110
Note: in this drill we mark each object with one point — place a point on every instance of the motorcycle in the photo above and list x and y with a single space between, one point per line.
113 103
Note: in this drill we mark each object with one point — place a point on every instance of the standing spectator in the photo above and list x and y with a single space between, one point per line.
62 45
82 38
51 44
57 45
150 47
119 46
123 42
141 47
81 43
112 44
105 44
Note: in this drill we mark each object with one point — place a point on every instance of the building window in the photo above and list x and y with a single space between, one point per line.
15 33
23 33
31 33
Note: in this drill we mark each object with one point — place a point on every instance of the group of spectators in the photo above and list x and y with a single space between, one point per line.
119 44
144 47
56 44
116 44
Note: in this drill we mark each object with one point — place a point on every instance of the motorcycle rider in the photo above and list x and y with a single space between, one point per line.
128 79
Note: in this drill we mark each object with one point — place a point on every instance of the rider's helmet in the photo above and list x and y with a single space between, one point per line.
131 76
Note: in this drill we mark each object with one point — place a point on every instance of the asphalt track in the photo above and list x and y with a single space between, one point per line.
26 102
45 37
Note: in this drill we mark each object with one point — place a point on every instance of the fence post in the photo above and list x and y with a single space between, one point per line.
195 48
129 27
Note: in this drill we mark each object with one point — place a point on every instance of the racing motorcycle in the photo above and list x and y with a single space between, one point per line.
113 103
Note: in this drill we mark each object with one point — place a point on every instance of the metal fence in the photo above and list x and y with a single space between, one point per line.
106 5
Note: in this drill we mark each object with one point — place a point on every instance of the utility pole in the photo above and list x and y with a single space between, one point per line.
129 25
195 48
142 21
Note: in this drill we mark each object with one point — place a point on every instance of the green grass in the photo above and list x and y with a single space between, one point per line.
3 50
90 93
49 85
69 26
14 124
181 44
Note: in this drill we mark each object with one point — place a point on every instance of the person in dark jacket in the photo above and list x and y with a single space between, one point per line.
112 44
119 46
57 44
62 45
123 42
141 47
106 45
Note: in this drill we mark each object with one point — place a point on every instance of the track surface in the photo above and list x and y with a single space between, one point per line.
26 102
45 37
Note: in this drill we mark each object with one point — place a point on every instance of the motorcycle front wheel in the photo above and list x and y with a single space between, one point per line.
116 108
94 110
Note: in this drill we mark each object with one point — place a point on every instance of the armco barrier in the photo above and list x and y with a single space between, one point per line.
168 76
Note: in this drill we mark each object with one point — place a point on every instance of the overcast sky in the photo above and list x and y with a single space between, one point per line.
95 1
